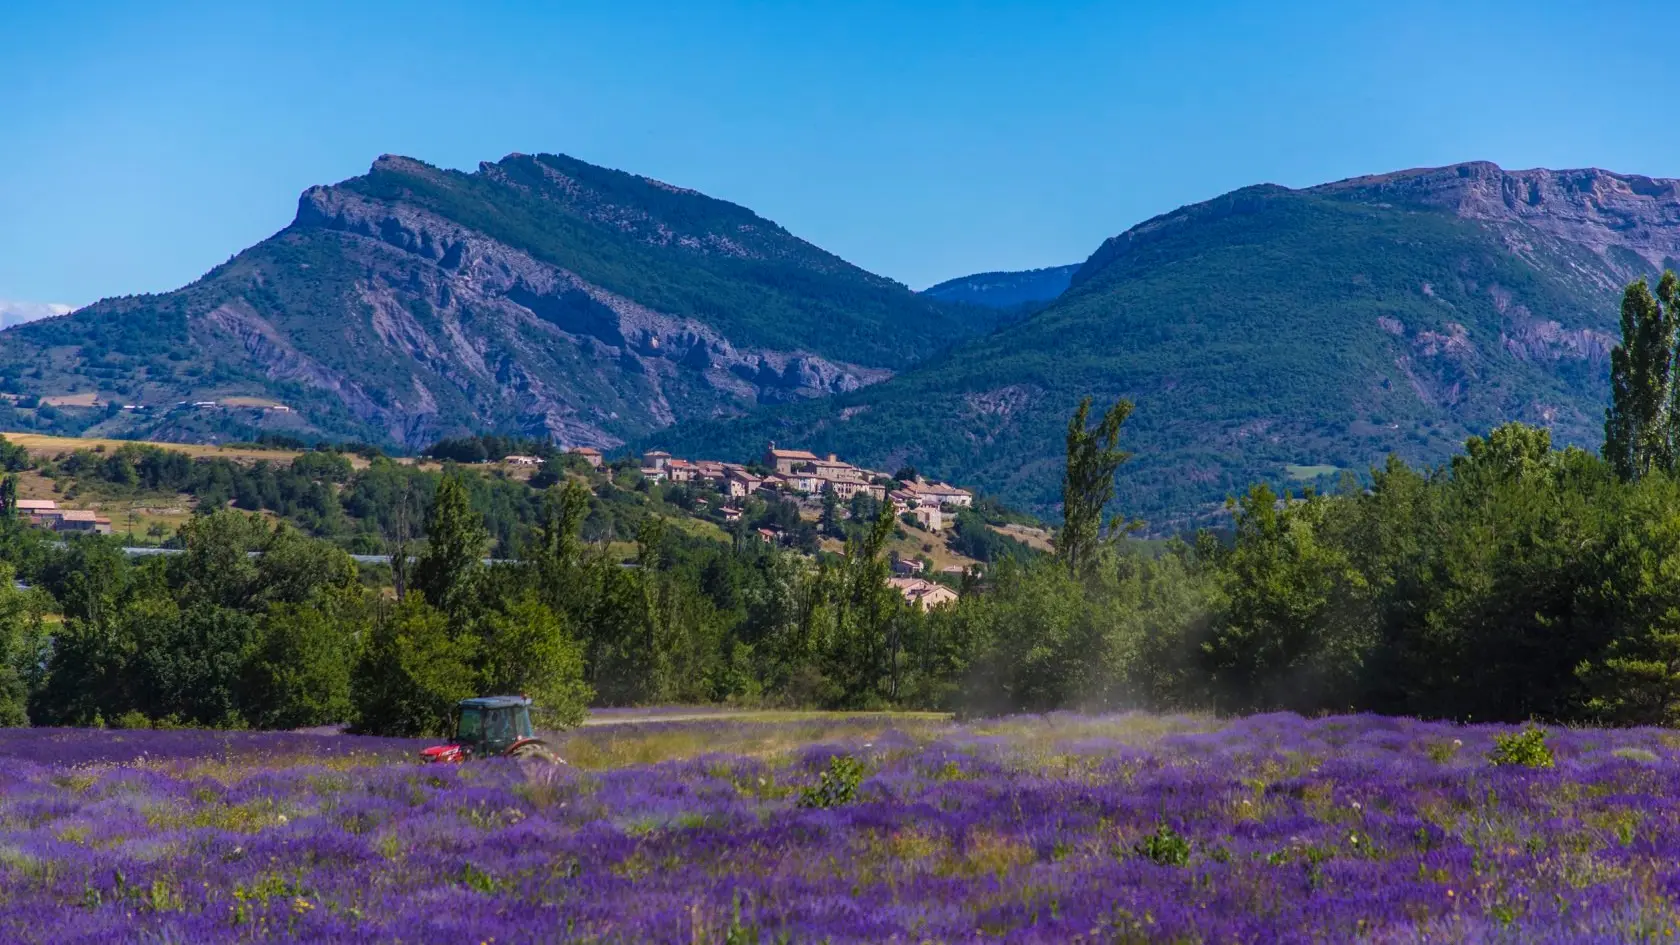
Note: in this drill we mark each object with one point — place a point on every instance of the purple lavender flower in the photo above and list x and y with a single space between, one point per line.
1022 830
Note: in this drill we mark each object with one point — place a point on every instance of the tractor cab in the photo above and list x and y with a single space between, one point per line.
491 725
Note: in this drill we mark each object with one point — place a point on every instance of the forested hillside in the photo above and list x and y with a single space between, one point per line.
1280 336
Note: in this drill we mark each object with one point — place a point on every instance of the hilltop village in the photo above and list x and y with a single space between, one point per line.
796 499
818 484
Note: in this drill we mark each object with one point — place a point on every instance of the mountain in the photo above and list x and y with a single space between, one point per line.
537 295
16 313
1005 289
1280 335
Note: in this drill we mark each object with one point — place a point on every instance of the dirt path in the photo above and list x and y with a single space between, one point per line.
755 715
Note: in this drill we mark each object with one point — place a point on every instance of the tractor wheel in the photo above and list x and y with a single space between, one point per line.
535 751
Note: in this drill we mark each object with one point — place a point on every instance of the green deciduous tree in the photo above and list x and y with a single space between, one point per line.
299 672
412 672
294 569
526 648
1298 624
1033 640
187 662
830 520
217 567
23 648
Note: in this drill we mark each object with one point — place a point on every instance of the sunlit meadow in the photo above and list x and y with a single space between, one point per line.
1061 828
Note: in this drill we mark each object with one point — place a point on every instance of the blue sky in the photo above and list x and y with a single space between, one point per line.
141 144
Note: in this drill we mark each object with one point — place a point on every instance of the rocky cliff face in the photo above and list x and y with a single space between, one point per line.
497 315
1632 222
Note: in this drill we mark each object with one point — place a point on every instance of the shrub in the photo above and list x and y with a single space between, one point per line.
838 785
133 718
1443 752
1527 748
1166 846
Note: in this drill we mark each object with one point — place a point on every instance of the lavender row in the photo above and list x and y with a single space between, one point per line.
1039 829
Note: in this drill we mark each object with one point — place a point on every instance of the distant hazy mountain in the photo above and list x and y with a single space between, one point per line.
540 295
1005 289
1283 335
16 313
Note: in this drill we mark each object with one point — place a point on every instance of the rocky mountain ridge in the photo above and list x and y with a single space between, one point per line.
1597 209
539 295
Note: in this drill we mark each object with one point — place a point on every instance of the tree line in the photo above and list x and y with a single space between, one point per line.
1515 581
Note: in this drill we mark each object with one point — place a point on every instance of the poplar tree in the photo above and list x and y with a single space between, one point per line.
1093 457
1639 428
456 541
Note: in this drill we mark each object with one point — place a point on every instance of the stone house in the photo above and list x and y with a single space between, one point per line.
786 461
739 483
930 517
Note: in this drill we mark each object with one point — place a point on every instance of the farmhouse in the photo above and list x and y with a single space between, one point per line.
82 521
590 455
908 567
517 460
923 593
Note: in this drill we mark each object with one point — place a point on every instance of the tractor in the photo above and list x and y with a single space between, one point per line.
492 726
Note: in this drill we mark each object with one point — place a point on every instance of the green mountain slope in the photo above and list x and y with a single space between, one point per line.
1030 287
539 295
1278 335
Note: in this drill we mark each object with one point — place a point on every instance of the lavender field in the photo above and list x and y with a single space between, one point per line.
1035 829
